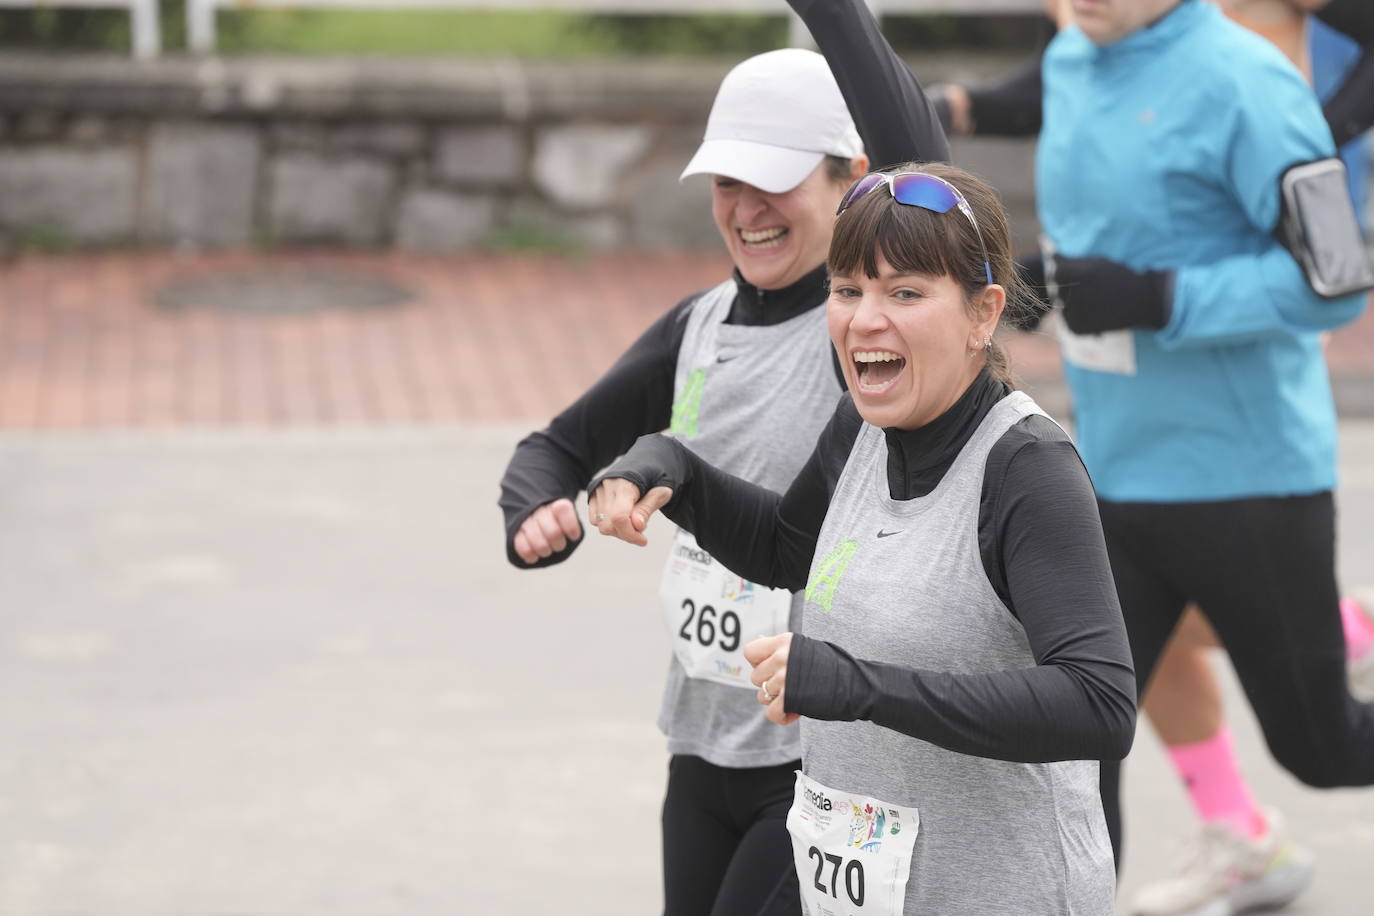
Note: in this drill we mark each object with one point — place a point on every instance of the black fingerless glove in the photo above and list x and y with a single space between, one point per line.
653 461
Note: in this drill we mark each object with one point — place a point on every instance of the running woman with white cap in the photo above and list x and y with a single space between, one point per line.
744 372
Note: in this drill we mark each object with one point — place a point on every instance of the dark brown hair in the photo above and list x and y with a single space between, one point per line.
916 240
837 168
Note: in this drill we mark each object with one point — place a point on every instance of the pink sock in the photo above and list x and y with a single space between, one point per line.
1359 629
1210 771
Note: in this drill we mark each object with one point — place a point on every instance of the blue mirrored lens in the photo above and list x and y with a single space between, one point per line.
859 189
925 192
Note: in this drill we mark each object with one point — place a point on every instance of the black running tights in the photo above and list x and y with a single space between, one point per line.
1263 572
726 850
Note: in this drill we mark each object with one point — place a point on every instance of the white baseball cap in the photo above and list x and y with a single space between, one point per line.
776 116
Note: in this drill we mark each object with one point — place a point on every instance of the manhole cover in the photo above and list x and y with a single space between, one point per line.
284 291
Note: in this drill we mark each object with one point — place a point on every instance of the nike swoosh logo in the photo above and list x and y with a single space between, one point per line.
724 359
887 534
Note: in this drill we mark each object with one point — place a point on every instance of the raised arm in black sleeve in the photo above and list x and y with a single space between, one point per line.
1352 18
1010 106
764 537
1350 109
633 398
895 119
1078 702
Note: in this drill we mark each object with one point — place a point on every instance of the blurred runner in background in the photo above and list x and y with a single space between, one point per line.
1183 698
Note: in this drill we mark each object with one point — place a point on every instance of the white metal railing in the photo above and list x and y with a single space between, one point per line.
200 14
147 33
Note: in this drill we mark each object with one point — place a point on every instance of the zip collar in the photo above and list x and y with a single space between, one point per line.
917 459
755 306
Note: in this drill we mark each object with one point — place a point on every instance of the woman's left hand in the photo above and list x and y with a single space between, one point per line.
768 655
617 510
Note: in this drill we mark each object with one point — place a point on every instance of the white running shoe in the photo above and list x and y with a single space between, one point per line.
1360 672
1228 874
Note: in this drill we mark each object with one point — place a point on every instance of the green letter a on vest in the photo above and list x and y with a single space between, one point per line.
825 578
687 404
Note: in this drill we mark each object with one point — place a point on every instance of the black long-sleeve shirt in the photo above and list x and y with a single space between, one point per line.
1042 549
896 123
895 119
633 398
1010 106
1350 109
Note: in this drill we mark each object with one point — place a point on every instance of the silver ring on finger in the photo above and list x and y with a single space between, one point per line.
600 517
770 697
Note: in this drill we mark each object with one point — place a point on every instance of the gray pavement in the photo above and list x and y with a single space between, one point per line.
287 673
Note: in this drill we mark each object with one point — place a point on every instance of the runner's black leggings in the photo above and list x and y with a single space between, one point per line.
726 850
1263 572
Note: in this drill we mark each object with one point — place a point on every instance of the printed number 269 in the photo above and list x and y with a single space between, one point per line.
706 626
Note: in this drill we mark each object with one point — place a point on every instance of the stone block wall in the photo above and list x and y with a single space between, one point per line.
422 155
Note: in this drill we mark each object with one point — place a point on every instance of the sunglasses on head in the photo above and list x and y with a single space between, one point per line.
917 189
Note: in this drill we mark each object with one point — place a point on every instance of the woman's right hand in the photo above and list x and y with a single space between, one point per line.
547 530
617 510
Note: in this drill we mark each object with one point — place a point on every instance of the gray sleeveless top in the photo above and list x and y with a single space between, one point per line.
752 401
902 581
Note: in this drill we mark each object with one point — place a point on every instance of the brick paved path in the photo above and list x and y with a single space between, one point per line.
83 342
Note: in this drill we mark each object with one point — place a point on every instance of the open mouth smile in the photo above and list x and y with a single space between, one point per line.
877 370
762 239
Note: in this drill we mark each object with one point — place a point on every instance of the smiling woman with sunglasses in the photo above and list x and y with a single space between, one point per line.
964 664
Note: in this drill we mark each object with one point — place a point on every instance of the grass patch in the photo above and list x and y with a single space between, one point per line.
44 239
528 238
543 34
547 34
405 33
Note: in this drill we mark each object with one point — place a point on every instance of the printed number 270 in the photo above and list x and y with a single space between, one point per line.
706 626
853 876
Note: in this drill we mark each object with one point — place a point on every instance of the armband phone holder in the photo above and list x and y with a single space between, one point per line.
1319 227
